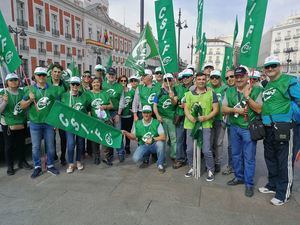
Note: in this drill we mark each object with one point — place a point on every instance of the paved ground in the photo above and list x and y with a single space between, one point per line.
124 194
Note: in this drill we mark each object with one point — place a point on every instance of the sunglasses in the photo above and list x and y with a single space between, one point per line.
75 84
158 73
273 66
215 77
41 75
13 79
123 81
231 77
133 80
168 79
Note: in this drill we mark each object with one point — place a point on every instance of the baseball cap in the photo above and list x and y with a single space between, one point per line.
272 60
168 75
255 74
99 67
147 108
187 73
40 70
147 72
74 80
157 69
215 73
208 65
11 76
240 71
111 71
190 66
134 77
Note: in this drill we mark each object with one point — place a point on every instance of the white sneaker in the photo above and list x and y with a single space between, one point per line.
79 166
70 168
278 202
189 173
265 190
210 176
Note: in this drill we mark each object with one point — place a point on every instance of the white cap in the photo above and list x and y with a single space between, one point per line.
148 72
134 77
215 73
157 69
168 75
187 73
40 70
246 68
190 66
255 74
147 108
272 60
11 76
74 80
180 75
99 67
207 65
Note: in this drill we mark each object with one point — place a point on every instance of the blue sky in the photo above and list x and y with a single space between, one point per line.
218 20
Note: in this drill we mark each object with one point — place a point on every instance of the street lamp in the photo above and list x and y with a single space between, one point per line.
288 51
192 49
18 32
179 25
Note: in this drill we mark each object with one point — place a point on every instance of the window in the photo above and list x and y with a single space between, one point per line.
287 44
39 16
25 66
42 63
55 47
98 36
125 46
21 10
296 43
54 21
116 43
68 51
288 33
67 26
23 43
298 31
78 30
41 45
90 33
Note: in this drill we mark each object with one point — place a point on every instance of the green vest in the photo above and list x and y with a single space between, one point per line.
44 98
79 102
233 99
96 100
128 97
164 105
114 91
275 100
206 102
13 114
180 90
147 94
220 92
143 132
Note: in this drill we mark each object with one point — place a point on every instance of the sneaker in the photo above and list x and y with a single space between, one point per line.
249 192
265 190
10 171
79 166
277 202
36 172
235 182
178 164
71 168
127 150
121 158
107 162
189 173
97 160
63 162
227 171
161 168
210 176
217 168
144 165
53 170
25 165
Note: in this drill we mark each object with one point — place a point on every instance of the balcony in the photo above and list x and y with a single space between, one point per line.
55 33
24 48
296 36
210 53
276 51
22 23
68 36
288 37
218 53
56 53
79 57
79 39
69 55
218 61
278 39
40 28
42 51
295 49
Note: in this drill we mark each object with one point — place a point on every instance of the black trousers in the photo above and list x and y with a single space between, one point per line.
278 157
126 124
14 145
63 144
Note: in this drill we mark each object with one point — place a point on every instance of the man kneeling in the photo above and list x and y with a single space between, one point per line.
150 136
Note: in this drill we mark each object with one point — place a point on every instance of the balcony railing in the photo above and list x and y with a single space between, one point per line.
42 51
69 55
68 36
79 57
278 39
40 28
57 53
218 53
78 39
288 37
276 51
296 36
24 48
22 22
55 32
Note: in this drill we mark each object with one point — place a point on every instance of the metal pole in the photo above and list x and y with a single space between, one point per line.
179 27
141 16
192 49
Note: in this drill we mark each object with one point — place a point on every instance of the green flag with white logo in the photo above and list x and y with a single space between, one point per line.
166 34
8 52
203 50
254 24
199 25
143 50
109 62
236 31
79 123
227 61
74 69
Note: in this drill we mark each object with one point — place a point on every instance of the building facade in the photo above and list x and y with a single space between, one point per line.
283 40
65 30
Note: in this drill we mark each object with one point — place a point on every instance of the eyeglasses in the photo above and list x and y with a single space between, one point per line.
240 76
75 84
168 79
158 73
214 77
273 66
123 81
231 77
13 79
41 75
85 76
133 80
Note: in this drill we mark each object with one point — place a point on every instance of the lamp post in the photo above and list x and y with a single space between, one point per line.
141 16
192 49
18 32
288 51
179 25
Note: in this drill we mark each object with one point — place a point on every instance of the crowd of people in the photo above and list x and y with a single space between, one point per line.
157 110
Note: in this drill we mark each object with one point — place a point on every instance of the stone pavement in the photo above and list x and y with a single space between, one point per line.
126 195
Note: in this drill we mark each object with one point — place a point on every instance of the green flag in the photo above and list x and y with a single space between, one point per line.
227 61
236 31
74 69
199 25
79 123
166 35
143 50
203 51
109 62
8 52
254 24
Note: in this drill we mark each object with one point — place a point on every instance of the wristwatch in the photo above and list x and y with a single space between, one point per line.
247 99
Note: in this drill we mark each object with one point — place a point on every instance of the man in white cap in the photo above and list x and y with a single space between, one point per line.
277 114
100 72
255 78
39 98
86 80
165 102
218 129
207 68
158 76
150 136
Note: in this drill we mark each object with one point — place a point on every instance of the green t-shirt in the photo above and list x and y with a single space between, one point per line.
147 94
44 98
128 97
63 84
180 90
96 100
220 92
164 104
79 102
13 114
142 131
114 91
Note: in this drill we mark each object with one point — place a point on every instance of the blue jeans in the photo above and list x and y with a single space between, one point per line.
37 132
180 147
72 139
229 148
146 150
243 154
120 151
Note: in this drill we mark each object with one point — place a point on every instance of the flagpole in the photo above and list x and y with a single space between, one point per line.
2 76
162 64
